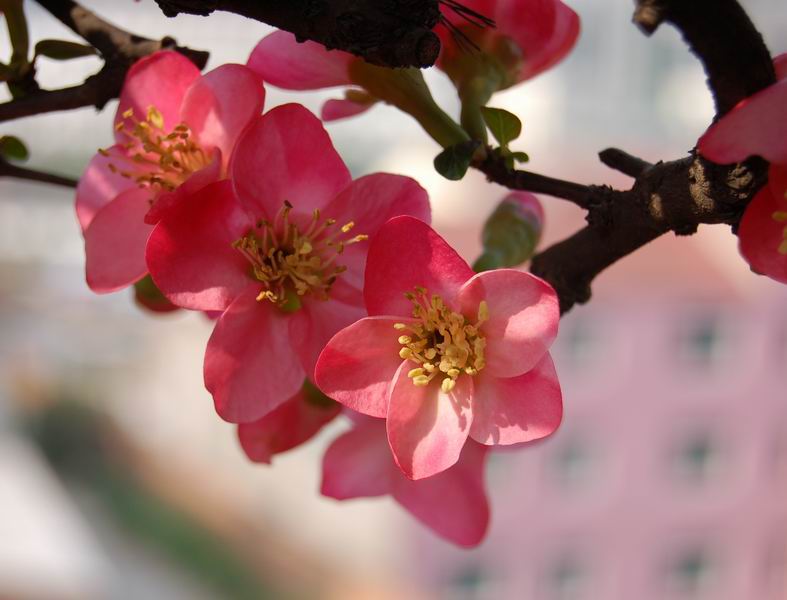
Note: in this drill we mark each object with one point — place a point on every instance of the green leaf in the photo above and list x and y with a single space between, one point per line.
505 126
147 295
62 49
12 148
453 162
511 233
520 157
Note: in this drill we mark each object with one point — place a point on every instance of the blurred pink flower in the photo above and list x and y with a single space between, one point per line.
175 131
529 37
281 249
758 126
453 503
445 353
289 425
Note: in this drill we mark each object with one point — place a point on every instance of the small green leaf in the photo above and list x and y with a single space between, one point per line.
62 49
511 233
12 148
315 397
453 162
150 297
505 126
520 157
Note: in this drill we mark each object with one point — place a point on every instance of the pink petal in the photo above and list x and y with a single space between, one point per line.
287 155
316 323
336 109
756 126
190 253
359 363
452 503
369 202
221 104
115 242
427 428
760 235
544 30
288 426
250 367
159 80
780 64
358 463
517 409
281 61
407 253
98 185
523 318
167 201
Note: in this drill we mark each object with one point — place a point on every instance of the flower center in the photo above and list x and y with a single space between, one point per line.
442 342
290 262
154 157
780 216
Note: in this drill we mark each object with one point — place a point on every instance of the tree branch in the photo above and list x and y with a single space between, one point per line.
672 196
9 170
119 49
394 33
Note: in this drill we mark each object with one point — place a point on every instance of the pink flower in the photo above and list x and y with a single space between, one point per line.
453 503
291 424
529 37
281 250
758 126
175 131
445 353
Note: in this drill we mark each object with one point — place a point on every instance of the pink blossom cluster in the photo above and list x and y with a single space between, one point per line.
330 294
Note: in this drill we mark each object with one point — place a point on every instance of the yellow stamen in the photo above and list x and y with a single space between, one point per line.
291 264
441 341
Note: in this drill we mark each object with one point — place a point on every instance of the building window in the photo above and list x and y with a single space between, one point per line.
690 573
574 463
696 458
700 341
566 579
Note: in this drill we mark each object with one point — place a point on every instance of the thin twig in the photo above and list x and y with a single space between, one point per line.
9 170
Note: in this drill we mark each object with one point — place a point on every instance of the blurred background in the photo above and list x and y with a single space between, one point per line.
667 479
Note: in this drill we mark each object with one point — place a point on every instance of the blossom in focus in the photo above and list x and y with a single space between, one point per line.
445 353
280 248
453 503
289 425
175 131
758 126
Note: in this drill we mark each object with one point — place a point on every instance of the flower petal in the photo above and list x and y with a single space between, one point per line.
369 202
545 37
286 427
220 105
250 367
190 253
452 503
115 242
524 314
359 363
167 201
316 323
336 109
760 235
517 409
756 126
407 253
780 65
287 155
98 185
159 80
358 464
282 61
427 428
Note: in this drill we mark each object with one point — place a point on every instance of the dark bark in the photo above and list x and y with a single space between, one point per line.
390 33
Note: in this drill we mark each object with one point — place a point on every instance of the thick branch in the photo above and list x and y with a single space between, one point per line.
394 33
672 196
9 170
119 49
